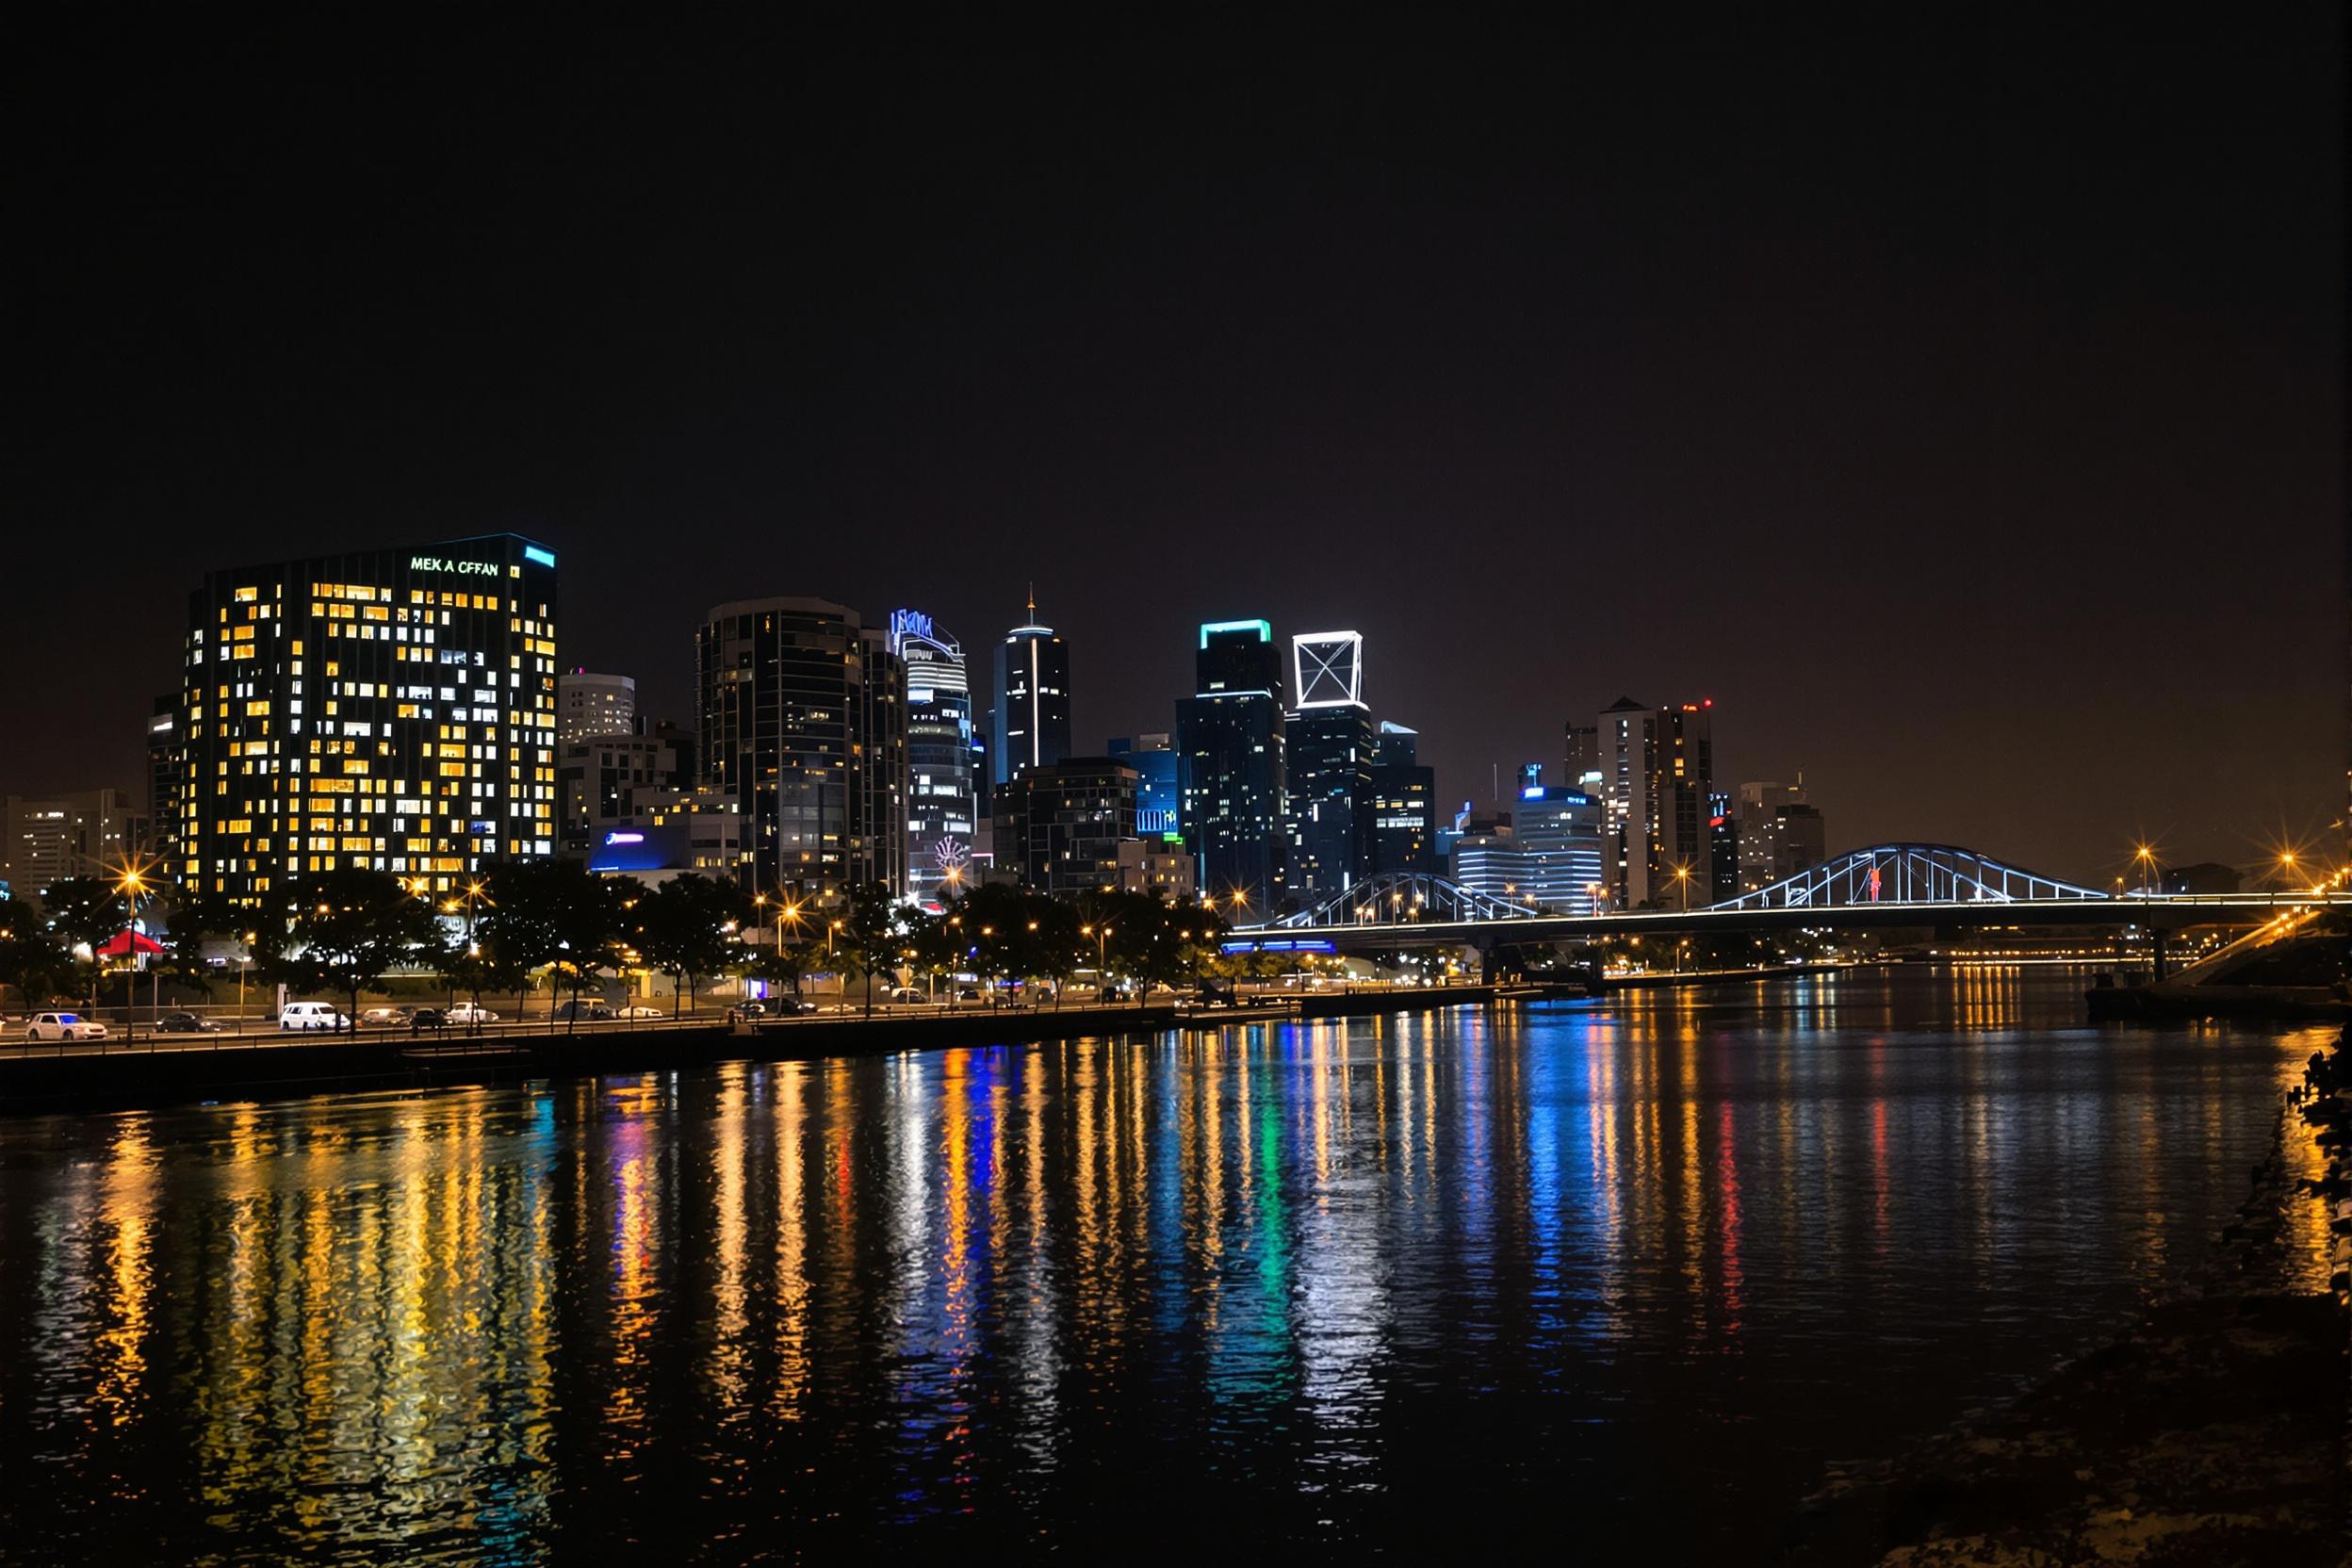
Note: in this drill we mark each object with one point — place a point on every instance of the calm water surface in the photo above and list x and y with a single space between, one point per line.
1579 1277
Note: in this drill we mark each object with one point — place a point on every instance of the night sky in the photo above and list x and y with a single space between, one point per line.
1963 412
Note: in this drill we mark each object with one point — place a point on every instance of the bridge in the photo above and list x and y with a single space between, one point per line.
1884 887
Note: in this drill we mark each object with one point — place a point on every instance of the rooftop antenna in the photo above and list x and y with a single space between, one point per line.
1032 604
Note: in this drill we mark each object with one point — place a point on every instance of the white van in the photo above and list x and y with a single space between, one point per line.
310 1015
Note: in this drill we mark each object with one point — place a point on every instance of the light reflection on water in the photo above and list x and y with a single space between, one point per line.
1390 1283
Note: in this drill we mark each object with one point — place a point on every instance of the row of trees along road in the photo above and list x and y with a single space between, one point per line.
342 932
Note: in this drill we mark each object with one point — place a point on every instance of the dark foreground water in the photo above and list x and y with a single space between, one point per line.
1568 1279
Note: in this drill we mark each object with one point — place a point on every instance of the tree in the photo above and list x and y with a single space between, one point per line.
81 911
866 935
1156 942
590 922
31 962
347 929
521 933
685 929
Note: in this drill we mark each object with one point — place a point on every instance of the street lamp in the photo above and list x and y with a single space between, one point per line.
1102 936
2146 858
132 885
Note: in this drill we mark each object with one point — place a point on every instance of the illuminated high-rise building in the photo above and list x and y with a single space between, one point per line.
1557 833
1404 804
1624 746
798 708
1229 740
942 802
393 709
1328 762
1032 698
159 837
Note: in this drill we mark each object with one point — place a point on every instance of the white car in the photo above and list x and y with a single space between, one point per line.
63 1026
311 1015
639 1012
465 1012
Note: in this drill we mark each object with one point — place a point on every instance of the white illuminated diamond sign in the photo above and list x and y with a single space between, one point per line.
1327 668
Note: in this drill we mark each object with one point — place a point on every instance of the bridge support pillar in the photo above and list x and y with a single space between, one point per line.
2156 951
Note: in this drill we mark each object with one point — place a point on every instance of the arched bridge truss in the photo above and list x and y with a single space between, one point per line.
1907 874
1395 897
1881 876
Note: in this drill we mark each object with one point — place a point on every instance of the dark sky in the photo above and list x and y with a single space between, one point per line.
1961 411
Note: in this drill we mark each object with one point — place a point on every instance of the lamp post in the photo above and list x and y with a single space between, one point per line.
1102 936
2146 858
1682 880
132 883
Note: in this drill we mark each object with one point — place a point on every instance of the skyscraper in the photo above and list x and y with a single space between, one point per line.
1032 698
161 839
792 730
942 803
1722 834
1328 761
882 767
1404 804
1658 772
393 709
1625 750
1229 740
1683 868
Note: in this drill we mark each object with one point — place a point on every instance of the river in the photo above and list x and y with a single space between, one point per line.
1583 1278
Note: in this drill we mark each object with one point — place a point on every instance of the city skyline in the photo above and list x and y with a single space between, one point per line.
1493 785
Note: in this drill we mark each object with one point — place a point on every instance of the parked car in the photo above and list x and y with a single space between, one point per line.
427 1017
467 1013
312 1015
905 993
640 1011
384 1018
582 1009
749 1009
185 1022
969 994
63 1026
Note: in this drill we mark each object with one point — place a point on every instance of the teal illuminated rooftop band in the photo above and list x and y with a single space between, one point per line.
533 552
1264 628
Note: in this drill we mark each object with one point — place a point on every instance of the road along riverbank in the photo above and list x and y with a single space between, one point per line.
2213 1429
250 1068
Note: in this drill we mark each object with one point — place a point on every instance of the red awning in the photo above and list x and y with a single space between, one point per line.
125 943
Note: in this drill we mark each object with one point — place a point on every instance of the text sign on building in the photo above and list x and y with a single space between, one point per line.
445 564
